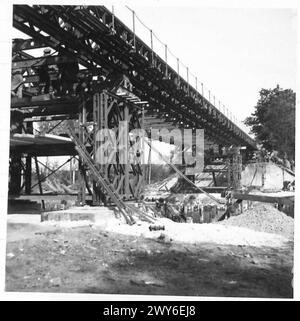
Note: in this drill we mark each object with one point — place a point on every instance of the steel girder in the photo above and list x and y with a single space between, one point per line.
100 40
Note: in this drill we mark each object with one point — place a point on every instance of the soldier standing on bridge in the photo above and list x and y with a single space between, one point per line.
68 77
44 76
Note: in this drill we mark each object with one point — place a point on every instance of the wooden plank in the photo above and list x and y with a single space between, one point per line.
47 197
47 118
54 75
39 181
26 44
37 62
286 200
42 100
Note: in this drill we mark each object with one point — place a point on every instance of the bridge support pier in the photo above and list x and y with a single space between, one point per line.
234 167
104 130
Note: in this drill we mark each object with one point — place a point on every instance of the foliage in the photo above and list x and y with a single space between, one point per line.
160 172
273 121
57 127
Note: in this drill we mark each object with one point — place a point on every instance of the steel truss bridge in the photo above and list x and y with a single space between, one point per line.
112 57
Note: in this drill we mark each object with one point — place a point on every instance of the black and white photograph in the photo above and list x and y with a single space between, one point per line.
148 149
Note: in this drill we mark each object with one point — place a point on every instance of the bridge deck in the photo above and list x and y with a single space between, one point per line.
100 41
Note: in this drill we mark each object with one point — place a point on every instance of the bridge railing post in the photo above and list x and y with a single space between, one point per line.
152 52
166 60
113 17
133 29
178 78
187 80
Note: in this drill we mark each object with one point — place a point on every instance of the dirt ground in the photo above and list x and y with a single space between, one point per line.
90 259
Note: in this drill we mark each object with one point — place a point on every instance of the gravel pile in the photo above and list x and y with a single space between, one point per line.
264 218
200 233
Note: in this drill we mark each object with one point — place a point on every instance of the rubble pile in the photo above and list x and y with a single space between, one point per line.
52 185
159 189
264 218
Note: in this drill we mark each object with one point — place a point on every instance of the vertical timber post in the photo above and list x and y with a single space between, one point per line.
127 165
98 106
15 169
28 169
28 175
149 159
82 119
182 152
15 174
39 180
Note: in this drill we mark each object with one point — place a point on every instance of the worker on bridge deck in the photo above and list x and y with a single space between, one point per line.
68 77
44 77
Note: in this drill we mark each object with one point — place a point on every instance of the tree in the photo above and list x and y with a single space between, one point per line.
273 121
56 127
160 172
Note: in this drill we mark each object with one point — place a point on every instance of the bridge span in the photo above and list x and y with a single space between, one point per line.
122 78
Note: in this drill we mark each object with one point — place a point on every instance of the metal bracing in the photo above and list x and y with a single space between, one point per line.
34 78
20 163
126 179
15 175
110 106
51 171
149 93
88 30
126 210
39 180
